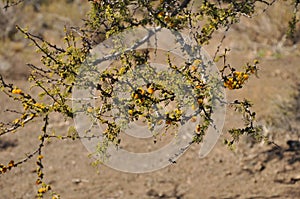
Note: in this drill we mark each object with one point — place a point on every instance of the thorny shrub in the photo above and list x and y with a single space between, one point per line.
60 67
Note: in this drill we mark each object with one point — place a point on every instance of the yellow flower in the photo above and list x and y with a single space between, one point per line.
25 106
130 112
16 91
171 25
141 91
229 83
11 164
200 101
136 96
161 14
40 157
150 90
197 62
38 105
111 137
3 169
90 109
237 73
193 68
178 112
245 76
230 80
122 70
42 190
198 128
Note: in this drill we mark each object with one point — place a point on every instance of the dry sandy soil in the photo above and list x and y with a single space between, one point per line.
250 171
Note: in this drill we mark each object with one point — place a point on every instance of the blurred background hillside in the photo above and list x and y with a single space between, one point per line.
43 18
